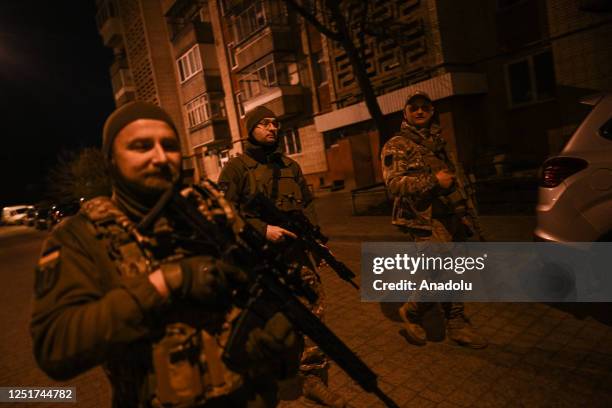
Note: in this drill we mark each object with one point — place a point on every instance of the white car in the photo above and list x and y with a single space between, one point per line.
15 214
575 194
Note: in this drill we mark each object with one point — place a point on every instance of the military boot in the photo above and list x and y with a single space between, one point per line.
415 334
460 330
315 390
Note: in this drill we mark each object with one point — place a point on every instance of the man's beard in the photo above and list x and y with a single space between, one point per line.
145 193
158 182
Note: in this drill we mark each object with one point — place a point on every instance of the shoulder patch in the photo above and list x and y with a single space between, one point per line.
47 271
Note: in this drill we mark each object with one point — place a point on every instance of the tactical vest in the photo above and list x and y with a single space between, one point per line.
436 157
187 369
276 180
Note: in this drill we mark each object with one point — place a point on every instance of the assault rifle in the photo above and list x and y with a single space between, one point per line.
309 236
271 288
467 191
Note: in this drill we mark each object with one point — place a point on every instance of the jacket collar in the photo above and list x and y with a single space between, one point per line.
259 154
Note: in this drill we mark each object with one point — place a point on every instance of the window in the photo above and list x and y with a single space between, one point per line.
531 79
240 104
198 111
231 52
202 109
250 20
267 74
293 74
189 63
291 142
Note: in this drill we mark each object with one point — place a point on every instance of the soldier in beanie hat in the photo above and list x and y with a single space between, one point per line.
428 205
264 168
139 299
139 179
254 117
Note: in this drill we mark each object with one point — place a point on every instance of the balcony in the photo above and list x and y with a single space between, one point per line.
123 85
110 31
185 32
282 100
270 39
211 133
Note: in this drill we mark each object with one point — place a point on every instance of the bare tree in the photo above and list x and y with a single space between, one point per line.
78 174
349 23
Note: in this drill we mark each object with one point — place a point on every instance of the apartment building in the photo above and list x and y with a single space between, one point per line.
210 62
505 74
275 61
143 66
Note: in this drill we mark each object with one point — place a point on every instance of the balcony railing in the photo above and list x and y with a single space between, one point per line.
122 83
282 100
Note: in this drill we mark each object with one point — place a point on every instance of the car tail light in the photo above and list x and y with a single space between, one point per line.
557 169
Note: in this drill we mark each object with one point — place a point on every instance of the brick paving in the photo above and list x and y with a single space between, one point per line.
539 356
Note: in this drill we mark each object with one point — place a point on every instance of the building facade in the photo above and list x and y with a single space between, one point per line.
143 66
209 63
506 76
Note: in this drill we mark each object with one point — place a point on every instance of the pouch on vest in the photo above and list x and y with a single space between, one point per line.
278 184
176 364
289 192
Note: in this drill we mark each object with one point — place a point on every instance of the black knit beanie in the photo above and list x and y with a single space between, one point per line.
256 115
127 114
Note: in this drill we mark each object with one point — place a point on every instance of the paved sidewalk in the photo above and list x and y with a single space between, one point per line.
539 356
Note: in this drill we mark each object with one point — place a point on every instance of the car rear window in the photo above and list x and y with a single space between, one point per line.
606 130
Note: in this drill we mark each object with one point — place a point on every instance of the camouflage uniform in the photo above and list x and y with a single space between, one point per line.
95 305
421 207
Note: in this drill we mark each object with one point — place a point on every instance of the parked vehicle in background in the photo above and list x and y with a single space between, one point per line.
14 214
30 217
575 193
43 218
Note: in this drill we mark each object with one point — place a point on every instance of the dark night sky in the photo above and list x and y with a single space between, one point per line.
55 90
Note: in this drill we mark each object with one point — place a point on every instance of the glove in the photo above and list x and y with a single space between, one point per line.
202 278
274 350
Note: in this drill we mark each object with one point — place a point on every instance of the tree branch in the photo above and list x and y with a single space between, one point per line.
362 33
312 19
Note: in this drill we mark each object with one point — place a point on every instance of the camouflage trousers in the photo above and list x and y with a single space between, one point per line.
313 360
446 229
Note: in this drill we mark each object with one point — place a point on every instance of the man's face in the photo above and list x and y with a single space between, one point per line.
419 111
266 131
147 155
